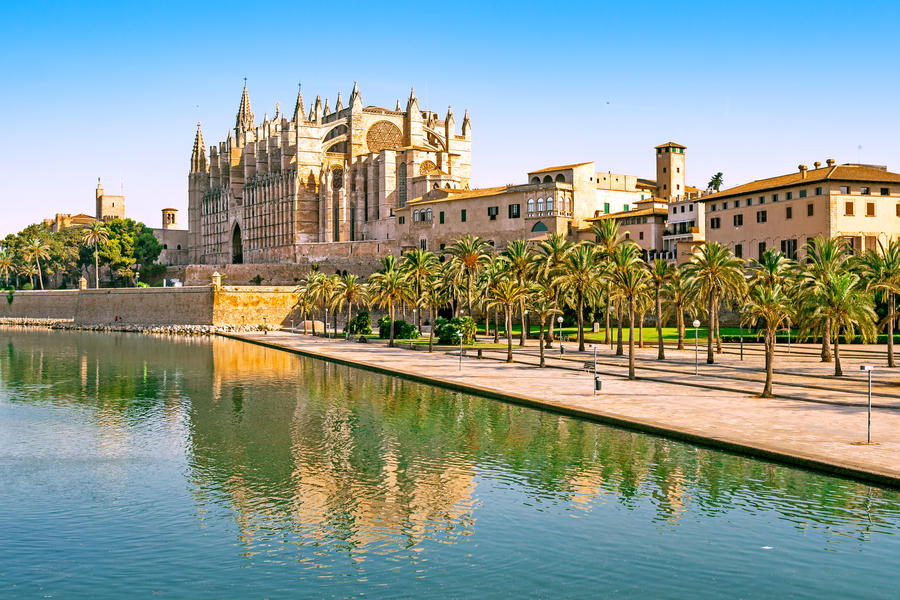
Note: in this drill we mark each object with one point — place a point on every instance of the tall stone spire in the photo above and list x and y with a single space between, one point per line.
355 97
466 125
327 109
299 117
413 102
244 120
198 155
339 105
317 110
397 108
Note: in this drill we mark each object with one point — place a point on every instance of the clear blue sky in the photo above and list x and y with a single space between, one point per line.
115 89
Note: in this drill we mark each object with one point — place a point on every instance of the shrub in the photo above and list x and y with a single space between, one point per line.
402 329
361 324
28 286
9 296
446 331
141 284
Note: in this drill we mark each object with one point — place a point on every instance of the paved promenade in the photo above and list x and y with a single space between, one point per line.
817 420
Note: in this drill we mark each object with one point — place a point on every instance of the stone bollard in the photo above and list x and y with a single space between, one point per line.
216 280
82 283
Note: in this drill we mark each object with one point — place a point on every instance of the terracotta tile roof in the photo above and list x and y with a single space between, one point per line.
560 168
631 213
669 145
690 188
848 172
459 195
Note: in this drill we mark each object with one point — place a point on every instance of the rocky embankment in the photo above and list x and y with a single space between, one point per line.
155 329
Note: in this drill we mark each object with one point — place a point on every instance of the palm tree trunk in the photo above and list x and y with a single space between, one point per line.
641 329
431 331
509 311
837 357
550 334
826 341
631 337
391 316
522 334
679 317
469 292
770 358
718 337
890 330
487 321
619 349
96 269
325 323
541 344
497 325
40 274
711 330
607 337
349 317
661 355
580 322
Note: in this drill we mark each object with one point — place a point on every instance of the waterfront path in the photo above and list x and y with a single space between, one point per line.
817 421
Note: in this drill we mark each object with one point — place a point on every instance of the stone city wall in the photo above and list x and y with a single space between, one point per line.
269 305
145 306
50 304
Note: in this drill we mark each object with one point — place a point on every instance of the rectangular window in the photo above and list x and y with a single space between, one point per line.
818 191
789 248
442 247
761 249
691 207
898 210
513 211
885 192
762 199
749 201
441 217
790 195
761 216
674 209
492 212
739 250
774 197
848 209
865 191
682 208
712 207
870 209
625 208
402 220
789 212
803 193
462 215
738 220
724 206
715 222
423 243
606 208
845 189
809 209
641 235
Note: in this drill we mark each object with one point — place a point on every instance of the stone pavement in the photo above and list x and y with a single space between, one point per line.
817 427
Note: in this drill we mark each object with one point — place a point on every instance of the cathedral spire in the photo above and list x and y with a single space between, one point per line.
299 117
339 105
244 120
327 109
413 103
317 110
355 97
466 125
397 108
198 155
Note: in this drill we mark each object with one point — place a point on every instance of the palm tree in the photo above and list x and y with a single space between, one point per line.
661 272
420 266
716 181
841 299
715 273
507 293
607 237
349 290
552 252
881 274
769 303
6 266
822 256
521 264
390 288
580 277
308 293
628 275
543 304
92 236
36 249
436 293
494 272
29 270
470 253
305 305
679 295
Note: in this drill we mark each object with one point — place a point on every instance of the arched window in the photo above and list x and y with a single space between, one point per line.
415 216
531 205
561 178
428 215
401 185
535 180
540 205
539 226
568 204
550 204
548 179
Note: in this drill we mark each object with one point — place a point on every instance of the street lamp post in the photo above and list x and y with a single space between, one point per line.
596 377
696 324
868 369
265 327
460 335
789 336
561 350
527 324
742 340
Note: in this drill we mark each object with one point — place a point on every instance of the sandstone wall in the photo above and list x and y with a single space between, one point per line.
49 304
146 306
260 305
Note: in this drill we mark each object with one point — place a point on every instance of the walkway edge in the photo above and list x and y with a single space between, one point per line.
835 467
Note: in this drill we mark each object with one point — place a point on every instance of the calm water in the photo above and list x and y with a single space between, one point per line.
133 466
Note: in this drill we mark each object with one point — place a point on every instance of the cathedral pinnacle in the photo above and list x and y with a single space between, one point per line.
198 154
397 108
466 124
339 105
244 120
355 97
327 109
412 105
298 107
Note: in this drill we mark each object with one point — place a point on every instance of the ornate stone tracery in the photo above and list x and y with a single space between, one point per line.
427 168
383 135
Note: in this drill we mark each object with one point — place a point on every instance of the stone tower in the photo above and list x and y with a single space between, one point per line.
109 207
670 170
170 218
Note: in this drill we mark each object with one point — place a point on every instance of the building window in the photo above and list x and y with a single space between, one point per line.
885 192
682 208
530 205
462 215
691 207
724 206
428 215
550 204
441 217
761 249
789 248
803 193
848 209
640 235
845 189
442 248
762 199
712 207
401 185
540 205
870 209
606 208
492 212
513 211
809 209
715 223
761 216
789 212
749 201
739 251
818 191
898 209
415 216
423 243
625 208
774 197
865 191
674 209
627 235
402 220
539 226
738 220
790 195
